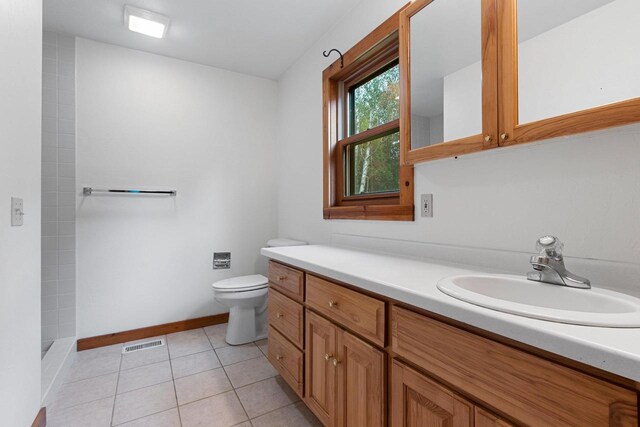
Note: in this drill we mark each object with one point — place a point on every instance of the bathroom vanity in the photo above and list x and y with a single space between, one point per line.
368 340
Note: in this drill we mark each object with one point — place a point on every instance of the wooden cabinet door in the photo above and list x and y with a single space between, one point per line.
320 374
361 385
417 401
483 418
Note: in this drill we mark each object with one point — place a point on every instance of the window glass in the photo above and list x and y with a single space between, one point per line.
376 101
373 166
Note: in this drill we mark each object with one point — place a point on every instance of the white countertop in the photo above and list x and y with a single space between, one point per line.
615 350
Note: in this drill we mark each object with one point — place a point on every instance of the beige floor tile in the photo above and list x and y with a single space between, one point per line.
224 408
188 342
168 418
144 357
83 391
94 363
142 402
199 386
194 363
92 414
144 376
266 396
216 334
263 345
237 353
250 371
244 424
296 415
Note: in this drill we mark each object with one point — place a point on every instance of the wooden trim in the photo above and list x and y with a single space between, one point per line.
374 51
466 145
150 331
41 418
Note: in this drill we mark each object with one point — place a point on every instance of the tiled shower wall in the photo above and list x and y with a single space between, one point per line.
58 189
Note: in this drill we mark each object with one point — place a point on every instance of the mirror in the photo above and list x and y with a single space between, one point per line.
576 54
445 72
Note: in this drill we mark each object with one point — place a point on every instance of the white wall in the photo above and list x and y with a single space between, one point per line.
20 121
583 188
148 121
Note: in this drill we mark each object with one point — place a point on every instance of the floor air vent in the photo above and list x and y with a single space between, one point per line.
142 346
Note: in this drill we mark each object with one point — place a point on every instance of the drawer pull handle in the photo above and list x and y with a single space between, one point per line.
333 304
279 315
335 362
281 278
328 357
278 357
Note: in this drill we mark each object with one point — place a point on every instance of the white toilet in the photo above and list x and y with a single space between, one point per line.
246 297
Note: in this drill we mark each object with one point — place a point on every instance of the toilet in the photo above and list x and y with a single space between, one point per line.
246 297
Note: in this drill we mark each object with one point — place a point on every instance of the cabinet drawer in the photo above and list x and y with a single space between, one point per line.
287 316
532 390
360 313
287 280
287 360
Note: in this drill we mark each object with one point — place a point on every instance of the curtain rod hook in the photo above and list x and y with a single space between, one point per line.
326 55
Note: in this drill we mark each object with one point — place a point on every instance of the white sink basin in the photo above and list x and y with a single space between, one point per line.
517 295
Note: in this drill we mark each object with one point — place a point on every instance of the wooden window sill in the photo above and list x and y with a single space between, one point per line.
371 212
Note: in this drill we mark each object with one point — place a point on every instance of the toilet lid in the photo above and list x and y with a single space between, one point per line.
241 283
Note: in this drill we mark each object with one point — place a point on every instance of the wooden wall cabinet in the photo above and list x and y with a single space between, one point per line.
543 71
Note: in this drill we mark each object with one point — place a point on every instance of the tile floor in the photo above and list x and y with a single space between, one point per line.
194 380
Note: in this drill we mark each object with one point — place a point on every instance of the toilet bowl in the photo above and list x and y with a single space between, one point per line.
246 298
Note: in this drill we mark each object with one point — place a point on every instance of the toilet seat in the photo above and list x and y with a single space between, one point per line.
241 284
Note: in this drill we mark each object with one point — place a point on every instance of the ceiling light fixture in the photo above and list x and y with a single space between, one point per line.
145 22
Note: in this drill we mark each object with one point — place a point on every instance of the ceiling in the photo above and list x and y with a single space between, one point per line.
445 37
261 38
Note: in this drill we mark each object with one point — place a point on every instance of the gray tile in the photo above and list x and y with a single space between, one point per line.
216 334
49 214
67 315
49 154
66 286
67 300
67 272
50 317
194 363
144 357
66 199
67 330
50 199
67 213
67 82
66 170
49 139
142 402
49 258
266 396
49 80
66 41
49 95
66 228
224 408
49 51
49 243
50 170
96 362
66 257
66 68
66 155
49 124
67 126
72 394
199 386
49 183
50 273
66 54
187 342
50 332
144 376
93 414
49 228
169 418
49 66
250 371
67 185
66 97
296 415
50 288
237 353
49 37
66 112
66 141
48 304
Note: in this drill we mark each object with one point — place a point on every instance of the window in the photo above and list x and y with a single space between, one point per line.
364 178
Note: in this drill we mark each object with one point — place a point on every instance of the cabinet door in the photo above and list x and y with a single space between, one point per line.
449 84
361 385
320 374
567 67
483 418
417 401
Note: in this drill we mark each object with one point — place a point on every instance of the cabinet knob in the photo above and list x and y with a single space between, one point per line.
504 136
335 362
281 278
279 315
328 357
488 138
333 304
278 357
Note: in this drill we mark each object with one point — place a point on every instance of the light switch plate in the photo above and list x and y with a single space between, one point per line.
426 205
17 212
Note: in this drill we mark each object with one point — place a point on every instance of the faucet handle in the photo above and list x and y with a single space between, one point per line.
550 246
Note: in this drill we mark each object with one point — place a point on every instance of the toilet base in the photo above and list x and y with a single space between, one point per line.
247 316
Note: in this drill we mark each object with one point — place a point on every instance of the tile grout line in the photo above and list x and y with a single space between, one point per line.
113 409
173 381
233 388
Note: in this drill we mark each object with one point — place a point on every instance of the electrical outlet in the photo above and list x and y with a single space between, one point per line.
17 212
221 260
426 205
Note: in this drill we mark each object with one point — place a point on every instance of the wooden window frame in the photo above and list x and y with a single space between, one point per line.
374 52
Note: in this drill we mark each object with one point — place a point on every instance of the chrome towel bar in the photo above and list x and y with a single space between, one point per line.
87 191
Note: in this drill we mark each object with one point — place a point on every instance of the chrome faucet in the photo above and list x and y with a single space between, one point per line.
549 267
